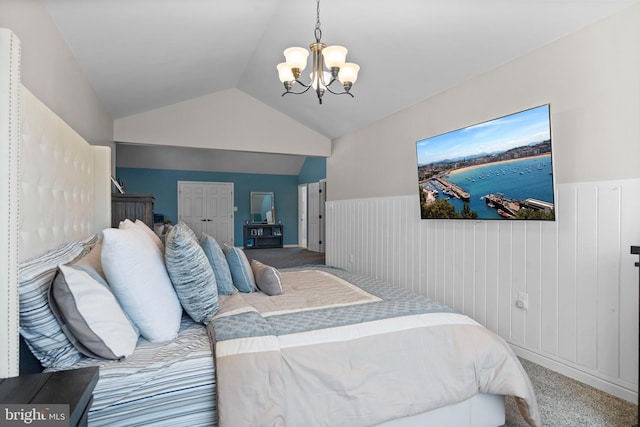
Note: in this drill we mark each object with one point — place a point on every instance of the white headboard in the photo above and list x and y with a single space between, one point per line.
9 191
58 190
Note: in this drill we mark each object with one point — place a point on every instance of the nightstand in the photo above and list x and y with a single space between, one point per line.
73 387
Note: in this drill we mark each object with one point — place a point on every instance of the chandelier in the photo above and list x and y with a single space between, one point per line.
333 57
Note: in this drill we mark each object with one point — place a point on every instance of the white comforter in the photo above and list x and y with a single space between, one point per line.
355 374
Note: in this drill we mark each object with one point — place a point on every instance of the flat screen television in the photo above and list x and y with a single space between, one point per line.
501 169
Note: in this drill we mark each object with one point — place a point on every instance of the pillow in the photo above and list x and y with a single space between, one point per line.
241 272
138 278
140 225
218 263
90 316
191 274
267 278
38 325
92 262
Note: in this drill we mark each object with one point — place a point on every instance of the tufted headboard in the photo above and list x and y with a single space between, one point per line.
55 188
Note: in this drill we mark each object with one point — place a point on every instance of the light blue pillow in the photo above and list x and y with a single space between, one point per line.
219 263
191 273
240 268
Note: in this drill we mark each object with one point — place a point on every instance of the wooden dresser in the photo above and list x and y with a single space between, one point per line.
131 206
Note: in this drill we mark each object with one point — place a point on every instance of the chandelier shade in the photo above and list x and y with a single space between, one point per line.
348 73
296 57
334 56
329 65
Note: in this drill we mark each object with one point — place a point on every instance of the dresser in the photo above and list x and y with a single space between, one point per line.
131 206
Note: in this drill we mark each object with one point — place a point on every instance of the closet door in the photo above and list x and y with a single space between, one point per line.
207 207
219 202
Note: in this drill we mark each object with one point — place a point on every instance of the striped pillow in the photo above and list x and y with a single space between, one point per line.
38 325
191 274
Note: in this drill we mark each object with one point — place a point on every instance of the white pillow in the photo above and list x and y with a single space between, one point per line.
140 225
136 273
90 316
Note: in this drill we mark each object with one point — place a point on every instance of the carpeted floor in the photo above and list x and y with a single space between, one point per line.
285 257
563 402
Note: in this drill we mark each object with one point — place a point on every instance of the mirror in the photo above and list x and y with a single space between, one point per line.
262 208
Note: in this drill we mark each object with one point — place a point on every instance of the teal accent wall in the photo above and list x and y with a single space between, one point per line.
163 184
313 170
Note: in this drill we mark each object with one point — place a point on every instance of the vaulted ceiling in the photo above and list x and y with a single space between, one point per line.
143 54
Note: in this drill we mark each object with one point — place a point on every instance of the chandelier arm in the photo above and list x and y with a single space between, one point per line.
339 93
334 92
298 93
303 84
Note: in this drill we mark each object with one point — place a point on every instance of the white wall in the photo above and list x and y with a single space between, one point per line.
583 288
590 78
51 72
226 120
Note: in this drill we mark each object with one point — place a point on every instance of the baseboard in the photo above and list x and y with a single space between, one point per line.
577 374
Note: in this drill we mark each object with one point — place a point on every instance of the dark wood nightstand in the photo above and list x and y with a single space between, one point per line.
73 387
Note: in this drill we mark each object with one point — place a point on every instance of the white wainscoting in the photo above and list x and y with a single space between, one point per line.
578 272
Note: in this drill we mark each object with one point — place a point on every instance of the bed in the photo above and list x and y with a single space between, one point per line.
259 359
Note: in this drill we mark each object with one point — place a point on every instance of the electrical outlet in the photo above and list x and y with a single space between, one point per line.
522 301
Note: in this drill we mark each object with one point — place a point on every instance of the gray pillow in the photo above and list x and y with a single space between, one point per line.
90 316
191 274
219 264
267 278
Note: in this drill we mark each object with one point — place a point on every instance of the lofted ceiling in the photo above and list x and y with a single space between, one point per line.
143 54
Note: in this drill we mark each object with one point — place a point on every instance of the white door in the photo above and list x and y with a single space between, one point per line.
302 215
207 207
313 236
322 198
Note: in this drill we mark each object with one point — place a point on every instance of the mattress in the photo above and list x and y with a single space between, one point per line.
175 382
159 384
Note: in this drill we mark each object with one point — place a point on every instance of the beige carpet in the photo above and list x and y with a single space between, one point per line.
564 402
285 257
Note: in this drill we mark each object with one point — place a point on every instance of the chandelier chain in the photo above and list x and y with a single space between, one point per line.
318 31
